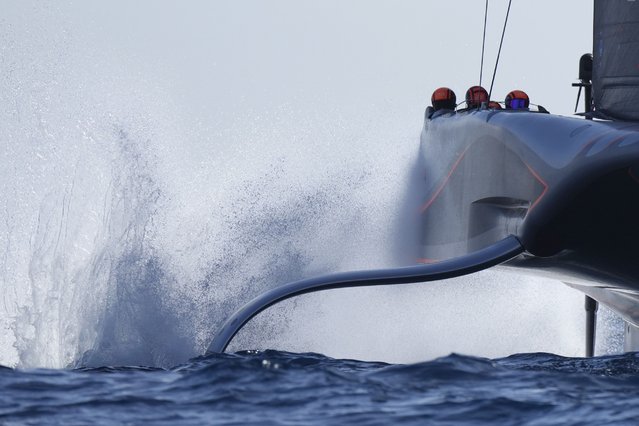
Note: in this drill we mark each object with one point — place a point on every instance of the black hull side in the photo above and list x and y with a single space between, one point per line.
568 188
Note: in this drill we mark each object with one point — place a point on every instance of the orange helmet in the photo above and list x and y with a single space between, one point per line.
494 105
517 99
443 98
475 96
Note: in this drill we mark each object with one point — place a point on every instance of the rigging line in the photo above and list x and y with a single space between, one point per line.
483 45
490 92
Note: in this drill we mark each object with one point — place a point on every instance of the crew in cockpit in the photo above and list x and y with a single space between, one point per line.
443 101
475 96
518 100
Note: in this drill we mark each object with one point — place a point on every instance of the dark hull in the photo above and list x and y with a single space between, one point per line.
568 188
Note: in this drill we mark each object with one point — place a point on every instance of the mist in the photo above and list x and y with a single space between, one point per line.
163 163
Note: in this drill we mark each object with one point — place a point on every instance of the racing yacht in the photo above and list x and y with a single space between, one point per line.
516 186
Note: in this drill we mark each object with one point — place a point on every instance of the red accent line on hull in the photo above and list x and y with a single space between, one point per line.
432 199
441 187
426 260
542 182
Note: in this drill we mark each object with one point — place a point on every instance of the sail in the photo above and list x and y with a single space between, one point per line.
616 59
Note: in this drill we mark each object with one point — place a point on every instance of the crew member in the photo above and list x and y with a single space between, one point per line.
475 96
517 99
443 98
443 101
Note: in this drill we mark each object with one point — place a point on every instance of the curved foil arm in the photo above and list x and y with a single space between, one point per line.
492 255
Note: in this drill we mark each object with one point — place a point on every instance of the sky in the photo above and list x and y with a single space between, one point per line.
213 55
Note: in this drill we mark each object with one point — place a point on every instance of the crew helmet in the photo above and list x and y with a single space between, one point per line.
443 98
475 96
517 99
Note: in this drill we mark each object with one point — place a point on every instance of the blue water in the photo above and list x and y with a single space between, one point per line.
283 388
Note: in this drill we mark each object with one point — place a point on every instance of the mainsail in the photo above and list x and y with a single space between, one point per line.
616 59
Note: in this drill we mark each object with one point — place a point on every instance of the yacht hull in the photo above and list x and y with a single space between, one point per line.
567 188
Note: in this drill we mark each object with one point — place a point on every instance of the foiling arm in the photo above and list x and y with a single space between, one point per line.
482 259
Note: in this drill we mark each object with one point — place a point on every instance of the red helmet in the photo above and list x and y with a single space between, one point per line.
494 105
517 99
475 96
443 98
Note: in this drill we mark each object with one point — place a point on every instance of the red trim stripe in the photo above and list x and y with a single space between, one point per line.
432 199
544 184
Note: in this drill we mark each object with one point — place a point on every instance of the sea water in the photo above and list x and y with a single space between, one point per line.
155 180
282 388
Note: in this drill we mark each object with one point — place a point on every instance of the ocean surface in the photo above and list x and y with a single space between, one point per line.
283 388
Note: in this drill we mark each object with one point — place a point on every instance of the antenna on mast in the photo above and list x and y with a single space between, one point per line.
585 82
